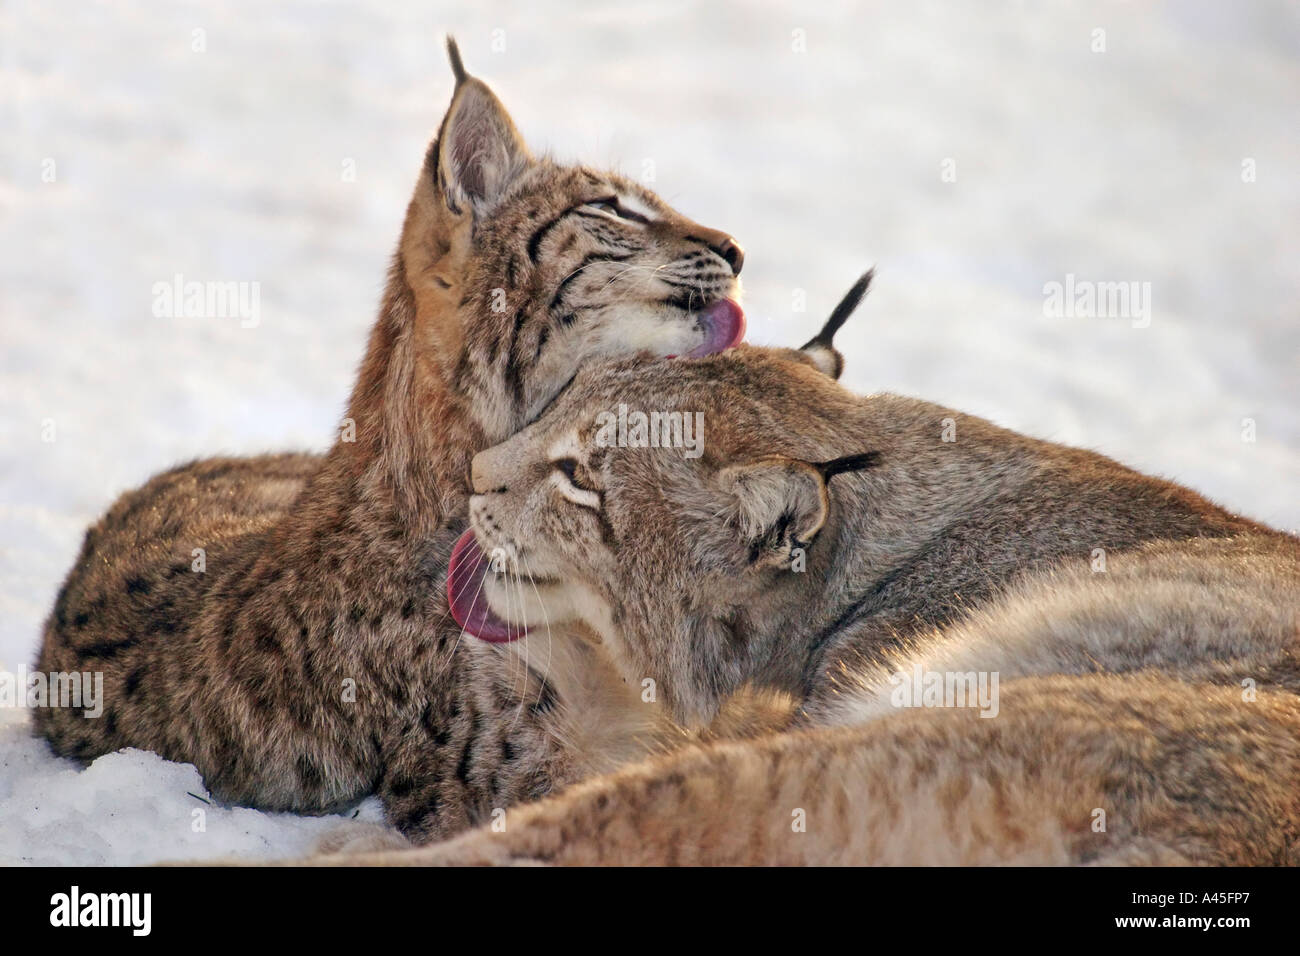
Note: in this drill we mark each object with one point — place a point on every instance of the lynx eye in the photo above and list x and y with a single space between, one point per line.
576 491
568 467
606 205
612 207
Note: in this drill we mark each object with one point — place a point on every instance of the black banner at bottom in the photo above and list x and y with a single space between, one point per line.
333 906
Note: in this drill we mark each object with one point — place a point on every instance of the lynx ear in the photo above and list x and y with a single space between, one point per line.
779 504
820 348
479 150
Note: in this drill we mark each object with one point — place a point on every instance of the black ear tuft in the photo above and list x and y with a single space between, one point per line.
453 54
821 346
479 152
842 311
838 466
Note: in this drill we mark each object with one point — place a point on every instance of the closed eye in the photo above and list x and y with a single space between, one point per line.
569 468
574 488
612 207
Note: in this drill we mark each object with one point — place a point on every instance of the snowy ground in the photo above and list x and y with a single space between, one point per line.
226 164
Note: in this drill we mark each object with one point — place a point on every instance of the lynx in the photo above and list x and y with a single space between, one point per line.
1142 645
281 621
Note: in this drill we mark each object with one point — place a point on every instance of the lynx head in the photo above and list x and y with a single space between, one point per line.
674 537
520 268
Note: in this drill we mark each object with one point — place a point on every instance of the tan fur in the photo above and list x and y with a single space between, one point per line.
312 661
685 568
1146 642
1184 774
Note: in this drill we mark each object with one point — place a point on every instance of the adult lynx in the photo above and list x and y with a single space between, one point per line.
1127 654
309 658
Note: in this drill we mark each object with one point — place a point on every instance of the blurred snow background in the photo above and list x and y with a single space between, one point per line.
820 138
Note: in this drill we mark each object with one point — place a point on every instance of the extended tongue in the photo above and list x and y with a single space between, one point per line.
466 573
724 326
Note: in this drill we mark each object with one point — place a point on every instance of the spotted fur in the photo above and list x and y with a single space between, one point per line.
1147 642
310 660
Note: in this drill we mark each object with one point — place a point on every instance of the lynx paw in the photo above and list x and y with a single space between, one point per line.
361 837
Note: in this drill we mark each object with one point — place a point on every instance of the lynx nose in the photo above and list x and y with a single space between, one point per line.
724 245
730 250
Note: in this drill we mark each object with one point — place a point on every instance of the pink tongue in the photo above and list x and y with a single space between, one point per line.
724 326
465 576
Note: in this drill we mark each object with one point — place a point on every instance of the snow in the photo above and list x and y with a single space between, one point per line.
1122 165
134 808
